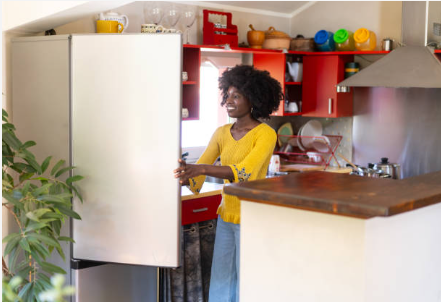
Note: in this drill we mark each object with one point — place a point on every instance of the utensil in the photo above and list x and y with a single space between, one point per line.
255 37
107 26
292 107
189 18
394 170
347 160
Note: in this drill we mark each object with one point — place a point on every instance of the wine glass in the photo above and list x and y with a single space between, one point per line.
153 13
172 16
189 18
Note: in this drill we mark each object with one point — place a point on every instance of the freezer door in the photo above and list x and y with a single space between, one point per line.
125 118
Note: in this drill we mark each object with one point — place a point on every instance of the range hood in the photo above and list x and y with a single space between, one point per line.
410 66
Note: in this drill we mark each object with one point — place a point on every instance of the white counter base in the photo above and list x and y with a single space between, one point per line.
295 255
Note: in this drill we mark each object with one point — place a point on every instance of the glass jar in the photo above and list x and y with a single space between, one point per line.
365 40
344 40
324 40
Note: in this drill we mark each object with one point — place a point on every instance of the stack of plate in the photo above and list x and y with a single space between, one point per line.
311 137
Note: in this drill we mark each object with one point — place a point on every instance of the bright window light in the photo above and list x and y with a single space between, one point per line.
196 133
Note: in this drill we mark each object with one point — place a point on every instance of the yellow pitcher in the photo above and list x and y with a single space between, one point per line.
106 26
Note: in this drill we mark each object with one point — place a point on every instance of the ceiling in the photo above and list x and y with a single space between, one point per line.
270 7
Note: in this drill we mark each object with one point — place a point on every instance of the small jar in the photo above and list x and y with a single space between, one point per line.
324 40
365 40
344 40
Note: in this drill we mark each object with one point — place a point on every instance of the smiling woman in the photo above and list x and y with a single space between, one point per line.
245 148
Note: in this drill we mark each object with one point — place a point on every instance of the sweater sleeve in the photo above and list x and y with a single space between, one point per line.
208 157
249 167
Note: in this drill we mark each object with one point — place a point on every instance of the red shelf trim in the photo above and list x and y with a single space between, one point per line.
291 113
292 52
189 83
293 83
437 50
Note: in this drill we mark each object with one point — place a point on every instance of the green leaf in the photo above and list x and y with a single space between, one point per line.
25 244
4 115
69 212
33 163
73 179
77 193
10 236
61 253
25 290
44 280
57 166
52 215
12 244
42 189
26 187
35 226
62 238
49 267
9 197
35 215
11 140
63 170
49 241
60 198
25 176
28 144
41 249
45 164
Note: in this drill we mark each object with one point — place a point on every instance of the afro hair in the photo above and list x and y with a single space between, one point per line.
263 91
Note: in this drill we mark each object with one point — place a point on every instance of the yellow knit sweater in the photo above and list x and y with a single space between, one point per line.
248 157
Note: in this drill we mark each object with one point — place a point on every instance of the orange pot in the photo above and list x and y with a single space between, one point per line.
255 38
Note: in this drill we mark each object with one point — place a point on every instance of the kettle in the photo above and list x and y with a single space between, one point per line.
113 16
393 170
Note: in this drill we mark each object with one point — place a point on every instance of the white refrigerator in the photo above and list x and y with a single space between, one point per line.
110 104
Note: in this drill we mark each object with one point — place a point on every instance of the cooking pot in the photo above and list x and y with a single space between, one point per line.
275 39
394 170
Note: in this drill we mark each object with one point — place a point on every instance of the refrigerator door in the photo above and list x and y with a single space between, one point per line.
125 118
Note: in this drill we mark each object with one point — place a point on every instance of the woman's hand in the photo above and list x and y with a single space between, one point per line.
186 171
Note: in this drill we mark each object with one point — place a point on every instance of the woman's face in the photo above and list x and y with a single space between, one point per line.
237 104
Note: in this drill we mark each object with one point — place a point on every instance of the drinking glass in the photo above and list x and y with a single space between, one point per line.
153 12
189 18
172 15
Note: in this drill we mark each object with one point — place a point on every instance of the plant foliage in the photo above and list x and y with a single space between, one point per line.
39 200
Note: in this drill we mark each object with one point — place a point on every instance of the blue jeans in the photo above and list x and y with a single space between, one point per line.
224 282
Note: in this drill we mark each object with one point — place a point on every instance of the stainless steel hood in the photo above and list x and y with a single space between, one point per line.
410 66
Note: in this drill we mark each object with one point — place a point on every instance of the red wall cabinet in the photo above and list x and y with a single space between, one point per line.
190 88
274 63
321 74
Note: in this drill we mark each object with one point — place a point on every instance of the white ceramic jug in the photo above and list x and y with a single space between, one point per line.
296 71
112 16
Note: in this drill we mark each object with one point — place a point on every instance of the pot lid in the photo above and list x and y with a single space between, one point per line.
272 33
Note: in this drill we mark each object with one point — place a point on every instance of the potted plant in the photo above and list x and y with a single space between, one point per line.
39 200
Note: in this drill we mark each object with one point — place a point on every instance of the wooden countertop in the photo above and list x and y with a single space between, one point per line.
208 189
343 194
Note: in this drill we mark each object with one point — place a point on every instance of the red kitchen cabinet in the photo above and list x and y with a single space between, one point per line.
321 74
200 209
190 88
274 63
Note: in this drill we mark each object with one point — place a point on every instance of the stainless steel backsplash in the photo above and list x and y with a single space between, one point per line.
402 124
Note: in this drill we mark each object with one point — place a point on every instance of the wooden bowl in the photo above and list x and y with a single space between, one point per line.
256 38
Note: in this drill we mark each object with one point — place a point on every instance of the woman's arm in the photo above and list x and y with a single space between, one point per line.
187 171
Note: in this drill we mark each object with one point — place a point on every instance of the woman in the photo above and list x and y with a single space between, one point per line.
245 148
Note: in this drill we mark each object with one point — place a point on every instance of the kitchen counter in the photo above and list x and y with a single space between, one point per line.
319 236
343 194
208 189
